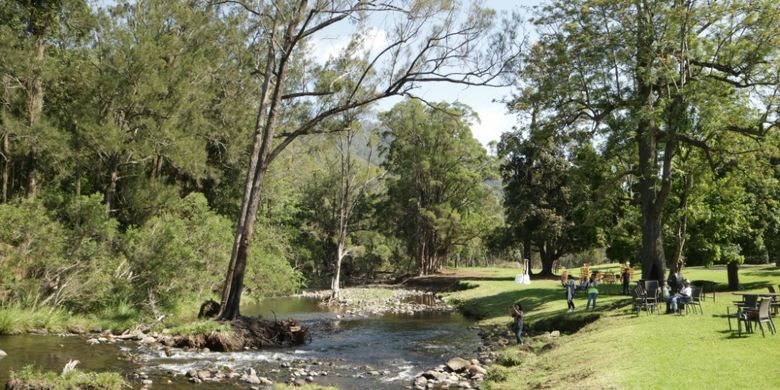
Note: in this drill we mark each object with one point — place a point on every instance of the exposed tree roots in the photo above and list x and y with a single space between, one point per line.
249 333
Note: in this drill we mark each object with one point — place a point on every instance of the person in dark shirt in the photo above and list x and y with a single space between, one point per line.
517 322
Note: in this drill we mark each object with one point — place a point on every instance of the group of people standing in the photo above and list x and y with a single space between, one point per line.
589 285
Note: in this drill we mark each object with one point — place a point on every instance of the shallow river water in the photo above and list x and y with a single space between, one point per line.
383 352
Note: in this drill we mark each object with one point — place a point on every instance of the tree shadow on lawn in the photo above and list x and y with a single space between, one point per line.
732 334
759 284
441 283
773 272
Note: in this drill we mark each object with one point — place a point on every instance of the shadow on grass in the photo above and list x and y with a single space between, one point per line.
439 283
499 305
733 334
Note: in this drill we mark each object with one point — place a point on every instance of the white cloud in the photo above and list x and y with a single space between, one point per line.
323 49
493 122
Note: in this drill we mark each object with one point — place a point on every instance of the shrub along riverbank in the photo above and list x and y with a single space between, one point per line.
31 379
620 349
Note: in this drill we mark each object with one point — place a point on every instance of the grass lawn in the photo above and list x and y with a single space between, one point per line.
621 350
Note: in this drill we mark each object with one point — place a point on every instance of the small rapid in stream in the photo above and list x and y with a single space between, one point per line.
382 352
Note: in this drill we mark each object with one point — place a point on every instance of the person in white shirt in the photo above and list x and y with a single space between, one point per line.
683 296
570 285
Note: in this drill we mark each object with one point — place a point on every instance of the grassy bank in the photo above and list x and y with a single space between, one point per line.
18 320
30 378
621 350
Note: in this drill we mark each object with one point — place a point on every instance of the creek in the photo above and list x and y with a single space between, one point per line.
382 352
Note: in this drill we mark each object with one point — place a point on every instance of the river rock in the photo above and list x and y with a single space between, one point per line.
93 341
265 381
435 375
148 340
251 379
2 354
457 364
76 329
191 374
555 333
147 382
309 379
420 382
204 374
476 370
299 382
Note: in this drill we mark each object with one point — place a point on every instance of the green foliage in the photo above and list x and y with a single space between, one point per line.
66 264
74 379
554 193
269 271
436 189
508 358
182 251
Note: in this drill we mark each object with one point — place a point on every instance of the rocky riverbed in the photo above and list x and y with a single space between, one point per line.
382 300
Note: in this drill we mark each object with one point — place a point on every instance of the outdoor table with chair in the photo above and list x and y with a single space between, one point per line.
707 286
751 310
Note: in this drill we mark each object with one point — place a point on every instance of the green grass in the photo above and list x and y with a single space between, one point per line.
75 379
17 320
621 350
199 327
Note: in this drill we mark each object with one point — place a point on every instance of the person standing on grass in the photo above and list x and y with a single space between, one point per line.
593 292
626 278
570 286
517 322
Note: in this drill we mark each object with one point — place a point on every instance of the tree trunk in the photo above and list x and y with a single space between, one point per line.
733 275
78 173
35 107
111 189
32 172
652 197
6 166
336 281
547 267
548 258
682 226
234 283
527 251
